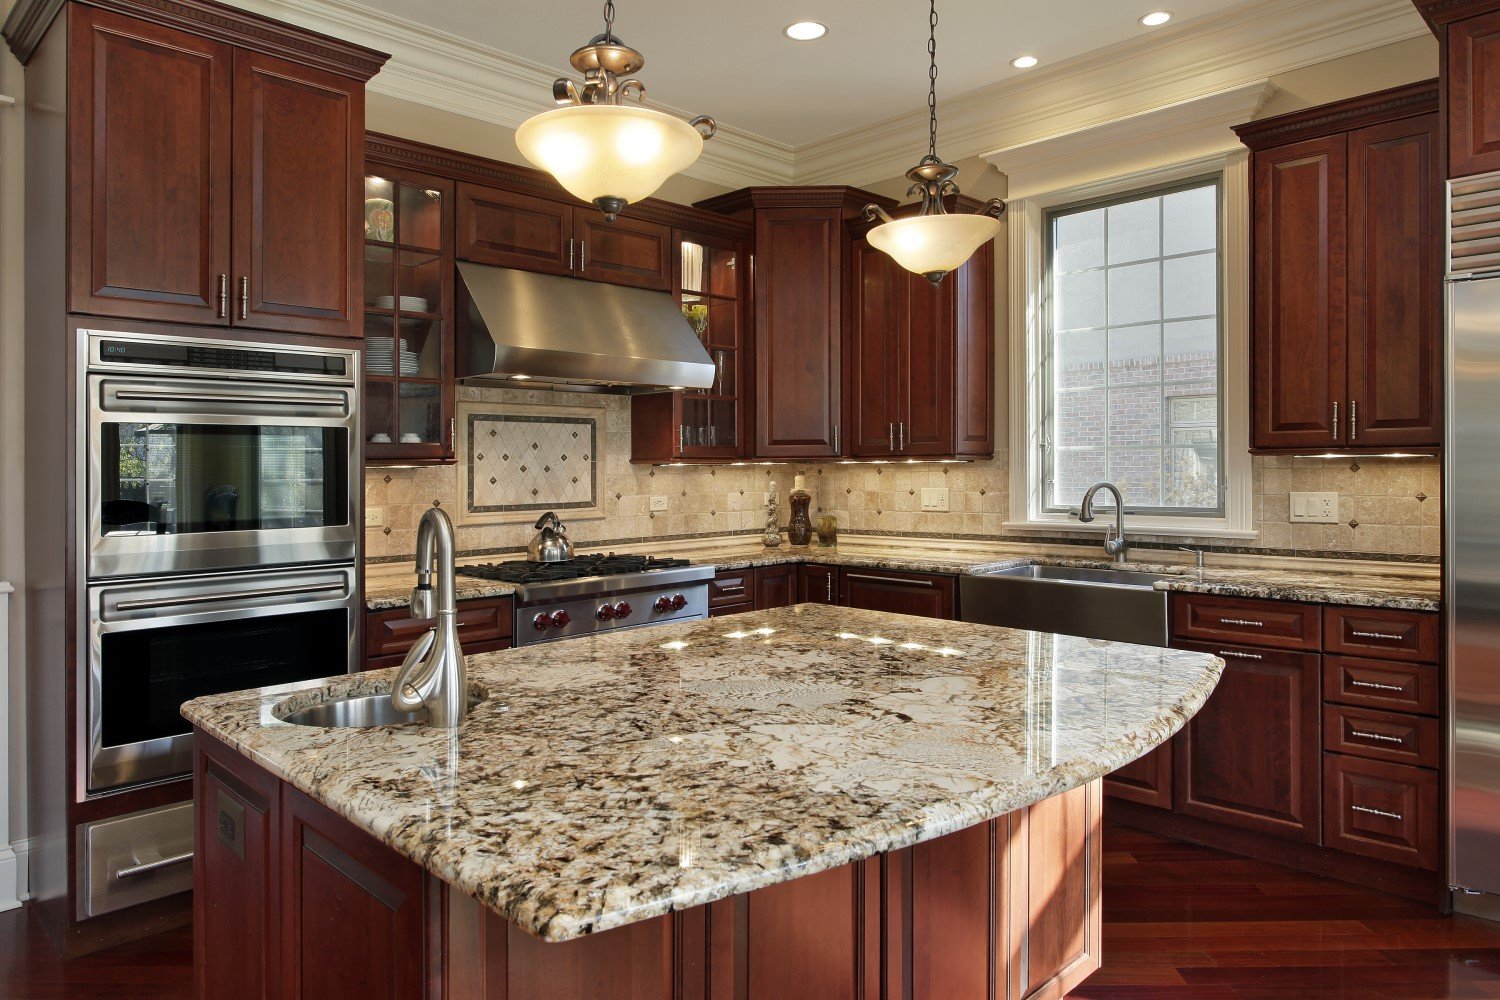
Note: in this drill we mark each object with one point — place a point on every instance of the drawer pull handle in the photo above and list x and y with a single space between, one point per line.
1380 737
891 580
1242 621
1376 685
1377 635
1240 656
153 866
1385 814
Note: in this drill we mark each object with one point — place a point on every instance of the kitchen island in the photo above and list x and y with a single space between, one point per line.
806 802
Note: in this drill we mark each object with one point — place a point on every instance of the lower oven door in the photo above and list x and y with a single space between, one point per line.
154 645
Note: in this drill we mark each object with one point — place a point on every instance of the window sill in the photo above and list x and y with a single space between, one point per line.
1136 526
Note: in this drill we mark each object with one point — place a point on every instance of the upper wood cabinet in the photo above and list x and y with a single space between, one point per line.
210 183
1346 222
1468 34
515 229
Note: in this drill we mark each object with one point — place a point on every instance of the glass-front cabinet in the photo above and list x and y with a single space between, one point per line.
408 354
711 283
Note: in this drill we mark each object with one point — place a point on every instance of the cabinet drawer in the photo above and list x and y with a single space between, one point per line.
1369 732
1401 687
1380 810
1389 635
732 588
1258 623
480 623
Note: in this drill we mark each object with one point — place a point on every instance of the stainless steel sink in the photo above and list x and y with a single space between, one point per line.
1093 603
359 712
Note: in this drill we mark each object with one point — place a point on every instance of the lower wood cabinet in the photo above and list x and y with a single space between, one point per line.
1147 780
1380 810
484 626
927 595
817 584
731 592
775 586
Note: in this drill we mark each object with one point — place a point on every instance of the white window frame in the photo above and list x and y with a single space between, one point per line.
1029 330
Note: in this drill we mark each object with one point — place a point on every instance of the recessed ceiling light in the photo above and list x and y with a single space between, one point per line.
1156 17
805 31
1024 62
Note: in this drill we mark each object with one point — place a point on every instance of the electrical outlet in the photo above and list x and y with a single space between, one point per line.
1315 508
736 501
374 517
934 498
658 503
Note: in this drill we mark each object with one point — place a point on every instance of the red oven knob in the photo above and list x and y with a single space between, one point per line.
542 622
605 613
678 602
561 619
663 605
623 610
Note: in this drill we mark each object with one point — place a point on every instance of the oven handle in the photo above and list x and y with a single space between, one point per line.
153 866
322 400
249 595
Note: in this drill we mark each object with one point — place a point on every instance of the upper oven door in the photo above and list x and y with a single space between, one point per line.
187 475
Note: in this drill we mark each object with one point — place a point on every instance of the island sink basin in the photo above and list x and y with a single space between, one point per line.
362 711
1116 604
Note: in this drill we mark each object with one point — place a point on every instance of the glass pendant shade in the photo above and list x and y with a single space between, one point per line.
609 154
933 245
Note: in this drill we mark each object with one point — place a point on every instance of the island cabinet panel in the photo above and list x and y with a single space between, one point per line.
1054 871
150 170
817 584
1250 757
1147 780
927 595
634 962
340 884
298 172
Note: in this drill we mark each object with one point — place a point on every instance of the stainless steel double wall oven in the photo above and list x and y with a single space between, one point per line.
221 533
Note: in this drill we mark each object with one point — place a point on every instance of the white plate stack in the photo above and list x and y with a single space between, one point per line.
380 355
411 362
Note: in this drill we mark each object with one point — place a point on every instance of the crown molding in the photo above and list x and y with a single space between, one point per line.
1245 44
1177 133
1312 123
440 70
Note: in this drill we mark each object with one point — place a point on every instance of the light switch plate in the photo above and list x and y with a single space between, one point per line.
1315 508
934 498
374 517
658 503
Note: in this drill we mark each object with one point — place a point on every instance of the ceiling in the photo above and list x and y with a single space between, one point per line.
729 59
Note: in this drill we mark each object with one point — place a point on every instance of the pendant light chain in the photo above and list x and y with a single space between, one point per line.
932 21
609 20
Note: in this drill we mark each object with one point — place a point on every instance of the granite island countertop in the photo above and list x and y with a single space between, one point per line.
1323 581
615 778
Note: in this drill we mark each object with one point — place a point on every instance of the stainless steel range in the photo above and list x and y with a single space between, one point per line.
592 594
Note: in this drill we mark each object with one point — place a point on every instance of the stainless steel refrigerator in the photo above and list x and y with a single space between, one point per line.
1472 542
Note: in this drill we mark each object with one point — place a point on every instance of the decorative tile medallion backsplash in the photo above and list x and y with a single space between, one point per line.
524 462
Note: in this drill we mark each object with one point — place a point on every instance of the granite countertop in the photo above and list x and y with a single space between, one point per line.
1327 581
611 779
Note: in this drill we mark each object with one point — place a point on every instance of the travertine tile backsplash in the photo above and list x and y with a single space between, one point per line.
1389 508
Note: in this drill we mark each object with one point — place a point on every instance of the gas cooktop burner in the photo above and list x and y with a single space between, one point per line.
525 572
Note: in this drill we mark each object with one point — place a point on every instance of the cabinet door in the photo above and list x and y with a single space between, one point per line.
1147 780
298 185
798 310
921 594
731 592
925 390
877 351
1395 286
337 880
509 229
1250 757
624 252
234 917
149 170
817 584
775 586
1473 95
1300 231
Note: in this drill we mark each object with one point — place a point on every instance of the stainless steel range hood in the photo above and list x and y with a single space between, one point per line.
520 326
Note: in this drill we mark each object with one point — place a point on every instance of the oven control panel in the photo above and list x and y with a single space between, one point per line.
566 619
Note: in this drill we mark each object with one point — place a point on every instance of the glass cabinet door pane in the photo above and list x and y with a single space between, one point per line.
723 323
380 423
694 268
722 422
725 381
421 217
724 273
421 282
695 310
380 275
380 345
419 352
380 210
421 414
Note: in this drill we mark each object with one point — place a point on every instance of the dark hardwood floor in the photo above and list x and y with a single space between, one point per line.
1180 923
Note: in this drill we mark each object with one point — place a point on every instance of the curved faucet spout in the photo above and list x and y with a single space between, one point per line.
1114 538
433 675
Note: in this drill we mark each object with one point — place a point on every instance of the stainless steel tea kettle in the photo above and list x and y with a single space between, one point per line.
551 542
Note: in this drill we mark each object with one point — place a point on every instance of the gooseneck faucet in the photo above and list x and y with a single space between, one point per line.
1114 538
433 675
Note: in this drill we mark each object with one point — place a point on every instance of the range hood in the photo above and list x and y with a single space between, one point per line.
521 326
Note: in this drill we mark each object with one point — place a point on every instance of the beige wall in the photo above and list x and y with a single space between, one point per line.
1362 73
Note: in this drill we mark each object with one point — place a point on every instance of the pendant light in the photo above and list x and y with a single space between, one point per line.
600 148
934 241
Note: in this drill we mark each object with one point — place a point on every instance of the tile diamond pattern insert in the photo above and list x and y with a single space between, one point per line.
553 476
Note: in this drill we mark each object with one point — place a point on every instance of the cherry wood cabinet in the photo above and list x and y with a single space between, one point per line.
1147 780
1346 228
731 592
484 625
211 183
510 228
1468 34
817 584
928 595
775 586
1381 810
